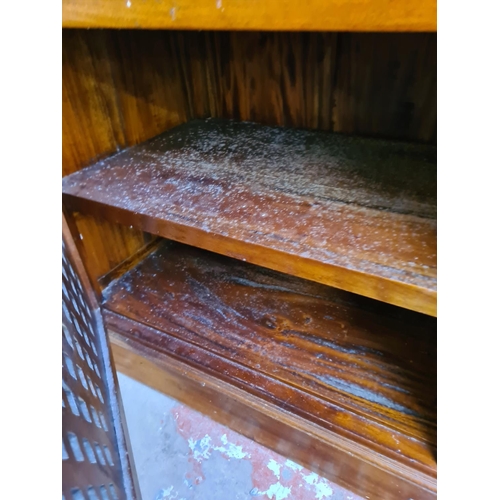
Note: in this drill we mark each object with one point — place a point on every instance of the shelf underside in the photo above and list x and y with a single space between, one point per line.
357 214
362 371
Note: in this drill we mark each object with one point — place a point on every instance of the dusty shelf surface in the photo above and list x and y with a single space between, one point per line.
357 214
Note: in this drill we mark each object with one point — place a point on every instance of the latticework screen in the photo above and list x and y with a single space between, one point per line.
93 451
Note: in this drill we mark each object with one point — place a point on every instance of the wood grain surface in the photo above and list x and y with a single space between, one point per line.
332 15
308 444
353 213
122 87
358 369
92 129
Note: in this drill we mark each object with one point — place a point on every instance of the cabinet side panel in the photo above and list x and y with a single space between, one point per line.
118 89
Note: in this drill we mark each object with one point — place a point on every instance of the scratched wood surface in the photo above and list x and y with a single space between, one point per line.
122 87
333 15
353 213
360 369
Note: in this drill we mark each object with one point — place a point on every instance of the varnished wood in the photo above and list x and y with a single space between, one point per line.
386 86
92 129
269 425
129 263
133 85
317 15
352 213
361 371
91 118
123 87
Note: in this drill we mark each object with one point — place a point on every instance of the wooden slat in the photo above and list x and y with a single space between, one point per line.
317 15
361 371
352 213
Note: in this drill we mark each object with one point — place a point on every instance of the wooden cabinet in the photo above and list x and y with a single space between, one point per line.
256 211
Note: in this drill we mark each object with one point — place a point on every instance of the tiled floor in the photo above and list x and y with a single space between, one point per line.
182 455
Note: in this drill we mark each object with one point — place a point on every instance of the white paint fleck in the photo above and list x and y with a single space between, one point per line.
129 4
230 449
275 467
172 13
203 448
312 478
278 492
322 488
218 4
167 494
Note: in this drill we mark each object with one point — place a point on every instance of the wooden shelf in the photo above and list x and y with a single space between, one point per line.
357 214
360 372
334 15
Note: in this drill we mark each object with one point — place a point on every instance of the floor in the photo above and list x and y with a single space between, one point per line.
182 455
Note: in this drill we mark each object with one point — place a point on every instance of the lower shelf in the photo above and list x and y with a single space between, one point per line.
340 383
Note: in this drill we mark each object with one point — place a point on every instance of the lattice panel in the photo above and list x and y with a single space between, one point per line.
91 464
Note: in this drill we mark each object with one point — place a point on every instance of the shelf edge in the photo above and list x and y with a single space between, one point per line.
392 292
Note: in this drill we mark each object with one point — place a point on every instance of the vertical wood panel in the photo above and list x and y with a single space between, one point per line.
386 86
92 129
148 82
91 119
